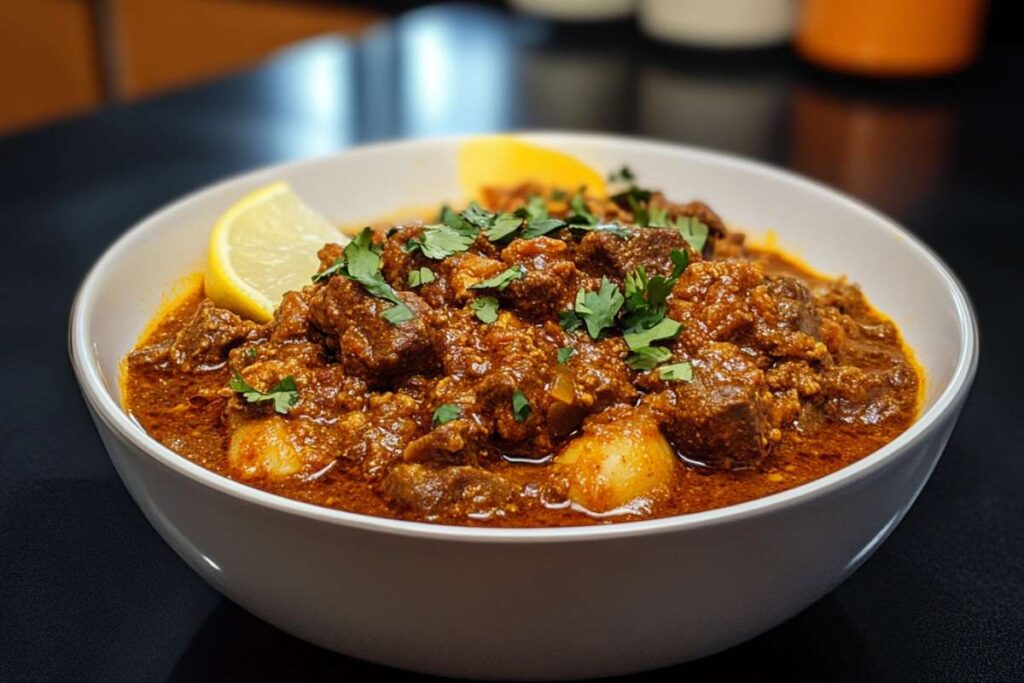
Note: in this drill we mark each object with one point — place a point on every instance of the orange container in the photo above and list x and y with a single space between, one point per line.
891 37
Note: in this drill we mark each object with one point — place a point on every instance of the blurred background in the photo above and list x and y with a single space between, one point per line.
860 93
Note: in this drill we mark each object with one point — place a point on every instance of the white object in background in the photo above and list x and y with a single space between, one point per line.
722 24
577 10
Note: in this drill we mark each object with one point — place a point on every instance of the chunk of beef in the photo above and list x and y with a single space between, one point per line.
368 345
733 301
604 253
717 233
203 342
550 281
459 491
785 322
724 417
291 319
461 271
710 301
453 442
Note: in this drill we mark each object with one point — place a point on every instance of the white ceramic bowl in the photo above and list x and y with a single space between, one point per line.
531 603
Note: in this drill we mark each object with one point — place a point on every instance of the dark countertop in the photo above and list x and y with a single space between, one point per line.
90 592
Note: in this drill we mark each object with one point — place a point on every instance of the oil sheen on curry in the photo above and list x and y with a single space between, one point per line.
543 359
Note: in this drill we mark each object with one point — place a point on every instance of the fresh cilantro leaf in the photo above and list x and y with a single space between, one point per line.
666 328
440 241
477 216
623 175
641 216
538 222
646 357
520 406
680 262
453 220
536 228
446 412
613 228
657 217
502 279
362 264
504 225
646 298
678 372
361 259
486 308
335 268
598 309
631 196
636 289
421 276
535 208
693 231
284 394
557 195
579 213
564 354
569 321
399 313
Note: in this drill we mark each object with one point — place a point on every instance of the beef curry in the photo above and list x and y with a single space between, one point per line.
542 359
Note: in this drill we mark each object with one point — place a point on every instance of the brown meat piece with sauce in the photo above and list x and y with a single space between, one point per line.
462 490
204 341
793 377
724 417
368 345
615 257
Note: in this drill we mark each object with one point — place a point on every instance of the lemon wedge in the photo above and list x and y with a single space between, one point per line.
503 160
263 246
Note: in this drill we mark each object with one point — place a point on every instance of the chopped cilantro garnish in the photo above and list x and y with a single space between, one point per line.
486 308
678 372
440 241
446 412
693 231
360 262
680 262
598 309
641 216
569 321
502 279
399 313
646 357
623 175
421 276
613 228
283 394
657 217
664 329
520 406
564 354
537 228
477 216
336 268
251 353
538 222
579 213
557 195
452 219
504 225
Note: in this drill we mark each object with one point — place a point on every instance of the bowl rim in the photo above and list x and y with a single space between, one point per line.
105 408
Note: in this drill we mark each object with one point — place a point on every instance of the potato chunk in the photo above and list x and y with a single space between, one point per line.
618 463
263 449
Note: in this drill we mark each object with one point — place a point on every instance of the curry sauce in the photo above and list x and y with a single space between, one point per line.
542 360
